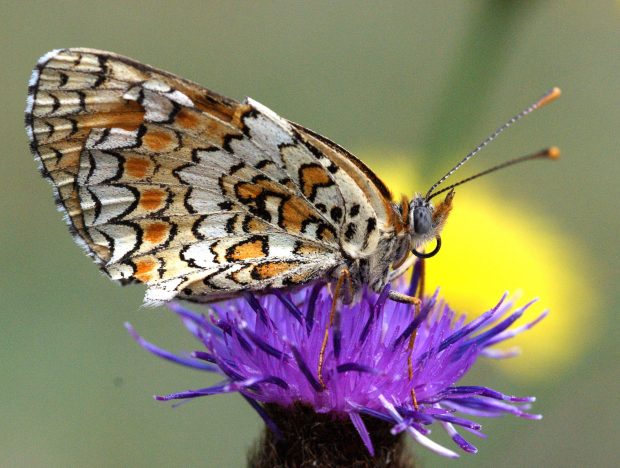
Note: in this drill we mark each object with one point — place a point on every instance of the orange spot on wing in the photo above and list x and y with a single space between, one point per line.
294 212
145 269
156 232
157 140
248 191
254 248
187 119
251 190
256 225
325 233
308 249
312 177
137 167
129 120
152 199
271 269
271 186
299 278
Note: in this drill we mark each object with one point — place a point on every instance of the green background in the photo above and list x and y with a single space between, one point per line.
430 78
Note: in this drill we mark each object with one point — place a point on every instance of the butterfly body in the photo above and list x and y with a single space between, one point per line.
201 197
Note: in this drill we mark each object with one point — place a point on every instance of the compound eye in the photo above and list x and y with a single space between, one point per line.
422 222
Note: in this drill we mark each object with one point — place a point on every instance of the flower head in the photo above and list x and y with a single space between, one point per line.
267 349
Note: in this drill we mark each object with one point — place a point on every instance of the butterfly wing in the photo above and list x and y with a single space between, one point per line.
370 215
167 183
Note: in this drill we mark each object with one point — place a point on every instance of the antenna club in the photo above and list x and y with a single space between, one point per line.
549 97
553 152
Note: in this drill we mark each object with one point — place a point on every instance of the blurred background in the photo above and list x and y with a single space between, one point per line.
410 87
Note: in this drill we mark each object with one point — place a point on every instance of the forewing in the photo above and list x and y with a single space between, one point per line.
156 173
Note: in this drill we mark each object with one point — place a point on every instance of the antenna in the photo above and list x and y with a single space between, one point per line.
545 99
549 153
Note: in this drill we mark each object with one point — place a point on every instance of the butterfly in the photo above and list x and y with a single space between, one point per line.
201 197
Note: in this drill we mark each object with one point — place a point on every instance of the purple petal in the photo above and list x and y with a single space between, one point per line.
254 304
419 438
382 298
424 311
503 325
369 411
472 326
266 347
415 277
458 439
290 306
506 335
373 312
355 367
167 355
305 371
337 335
242 341
204 356
359 425
214 390
459 421
263 414
314 294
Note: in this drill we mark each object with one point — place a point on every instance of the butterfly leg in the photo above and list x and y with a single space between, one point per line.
405 299
344 276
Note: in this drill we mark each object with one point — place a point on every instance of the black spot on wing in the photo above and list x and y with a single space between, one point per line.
264 163
336 214
55 104
99 81
74 126
64 78
230 224
82 99
350 232
371 225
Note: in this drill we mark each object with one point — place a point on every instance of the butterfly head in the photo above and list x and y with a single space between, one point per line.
427 221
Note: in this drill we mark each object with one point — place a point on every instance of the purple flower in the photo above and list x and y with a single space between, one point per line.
267 349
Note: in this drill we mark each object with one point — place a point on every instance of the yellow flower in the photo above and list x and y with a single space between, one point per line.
492 244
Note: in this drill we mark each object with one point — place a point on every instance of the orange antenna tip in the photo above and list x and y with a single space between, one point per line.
549 97
553 152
